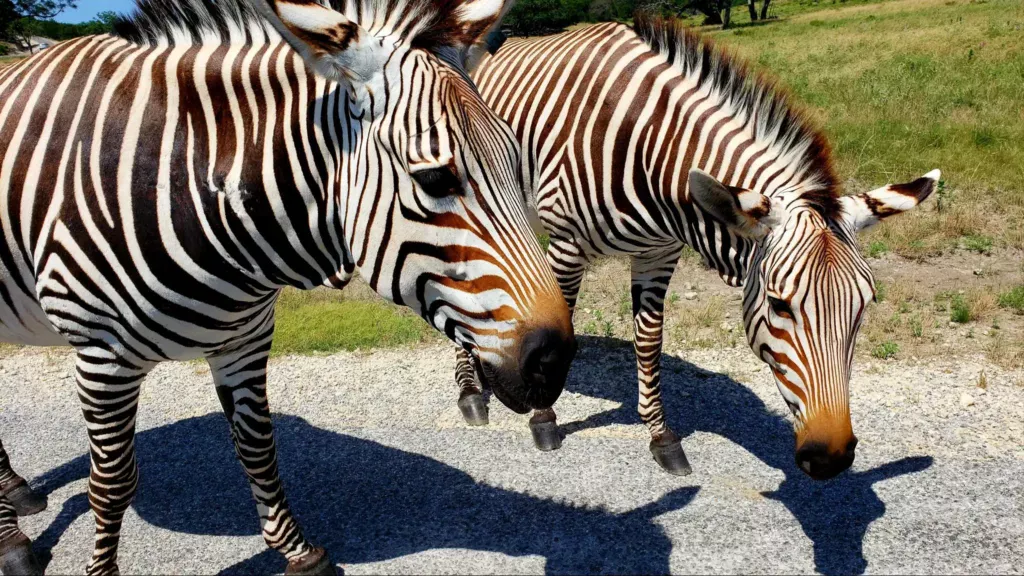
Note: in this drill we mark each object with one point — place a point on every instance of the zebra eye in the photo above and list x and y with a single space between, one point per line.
780 307
440 182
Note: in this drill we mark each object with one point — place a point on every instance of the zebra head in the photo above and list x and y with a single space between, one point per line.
430 202
805 292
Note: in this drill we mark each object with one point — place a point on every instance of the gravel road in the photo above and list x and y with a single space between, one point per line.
382 471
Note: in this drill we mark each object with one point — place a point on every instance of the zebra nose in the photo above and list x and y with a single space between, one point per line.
821 463
546 355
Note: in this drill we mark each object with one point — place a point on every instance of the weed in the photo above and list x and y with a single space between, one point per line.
959 311
880 292
1013 299
982 381
886 350
978 243
877 248
916 328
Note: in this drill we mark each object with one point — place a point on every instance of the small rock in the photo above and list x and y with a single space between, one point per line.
953 324
737 296
690 295
728 314
979 272
966 400
982 391
689 286
727 326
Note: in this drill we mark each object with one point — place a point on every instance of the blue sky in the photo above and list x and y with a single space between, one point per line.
88 9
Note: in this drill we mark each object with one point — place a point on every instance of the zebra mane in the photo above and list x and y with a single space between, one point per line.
427 24
777 119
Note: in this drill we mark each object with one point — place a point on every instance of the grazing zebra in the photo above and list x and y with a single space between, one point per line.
159 186
639 141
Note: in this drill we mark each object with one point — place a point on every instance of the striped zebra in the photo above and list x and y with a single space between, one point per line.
159 186
641 140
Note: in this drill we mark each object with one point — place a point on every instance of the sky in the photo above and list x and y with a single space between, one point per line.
88 9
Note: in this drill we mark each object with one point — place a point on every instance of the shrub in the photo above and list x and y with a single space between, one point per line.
886 350
978 243
959 310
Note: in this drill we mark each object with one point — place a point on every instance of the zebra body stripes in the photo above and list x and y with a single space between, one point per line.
640 141
159 187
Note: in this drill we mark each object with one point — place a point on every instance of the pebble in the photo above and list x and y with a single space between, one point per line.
690 295
966 400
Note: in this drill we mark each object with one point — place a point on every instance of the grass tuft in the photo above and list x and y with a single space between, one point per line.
1013 299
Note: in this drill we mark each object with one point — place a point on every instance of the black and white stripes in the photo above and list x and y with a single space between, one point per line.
640 140
159 187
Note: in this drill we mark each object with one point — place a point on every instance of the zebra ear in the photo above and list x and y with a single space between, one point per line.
477 18
865 210
745 212
336 47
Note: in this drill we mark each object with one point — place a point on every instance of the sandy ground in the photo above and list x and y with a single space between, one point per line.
382 471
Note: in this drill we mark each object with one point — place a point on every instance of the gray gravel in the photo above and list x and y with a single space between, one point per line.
381 471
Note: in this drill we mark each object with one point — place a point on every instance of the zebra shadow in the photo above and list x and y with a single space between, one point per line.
834 515
366 502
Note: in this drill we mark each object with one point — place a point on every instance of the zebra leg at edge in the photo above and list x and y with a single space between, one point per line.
649 283
26 502
241 380
108 389
16 557
569 263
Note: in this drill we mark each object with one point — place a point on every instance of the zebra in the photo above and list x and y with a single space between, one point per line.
642 140
159 186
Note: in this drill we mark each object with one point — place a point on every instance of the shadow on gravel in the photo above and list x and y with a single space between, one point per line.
834 515
367 502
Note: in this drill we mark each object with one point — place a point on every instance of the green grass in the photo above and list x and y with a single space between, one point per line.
886 350
325 321
1013 299
977 243
877 248
905 86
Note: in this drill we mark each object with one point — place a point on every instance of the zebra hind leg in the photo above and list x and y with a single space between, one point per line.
26 502
471 398
649 283
241 380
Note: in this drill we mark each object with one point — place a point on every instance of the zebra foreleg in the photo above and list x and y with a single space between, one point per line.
471 398
241 380
649 283
109 391
16 489
569 263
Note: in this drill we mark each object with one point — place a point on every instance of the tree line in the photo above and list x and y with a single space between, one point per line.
20 20
530 17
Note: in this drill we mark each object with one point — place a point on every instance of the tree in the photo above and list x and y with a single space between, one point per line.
18 17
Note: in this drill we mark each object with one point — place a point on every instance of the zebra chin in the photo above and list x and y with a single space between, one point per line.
535 380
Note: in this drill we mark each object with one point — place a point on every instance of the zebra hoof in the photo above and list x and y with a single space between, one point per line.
474 409
25 501
316 563
19 560
670 456
545 431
